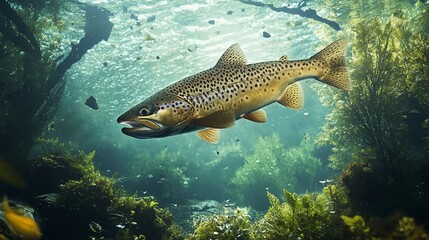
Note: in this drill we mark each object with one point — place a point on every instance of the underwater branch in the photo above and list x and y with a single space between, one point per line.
309 13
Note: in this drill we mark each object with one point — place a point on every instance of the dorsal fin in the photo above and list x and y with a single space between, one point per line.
293 97
232 56
284 58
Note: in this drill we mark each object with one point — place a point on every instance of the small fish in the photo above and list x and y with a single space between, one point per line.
214 99
92 103
9 175
21 226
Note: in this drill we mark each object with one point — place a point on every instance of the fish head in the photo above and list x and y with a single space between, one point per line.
158 116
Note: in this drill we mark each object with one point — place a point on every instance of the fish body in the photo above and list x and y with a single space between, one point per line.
232 89
21 226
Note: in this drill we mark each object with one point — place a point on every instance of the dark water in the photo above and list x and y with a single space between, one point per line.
371 144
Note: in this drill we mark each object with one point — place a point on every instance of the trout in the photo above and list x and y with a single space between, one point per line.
215 98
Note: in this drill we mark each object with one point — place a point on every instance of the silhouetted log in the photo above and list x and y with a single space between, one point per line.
97 28
309 13
34 105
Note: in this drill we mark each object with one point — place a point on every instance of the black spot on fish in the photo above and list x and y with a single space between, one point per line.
92 103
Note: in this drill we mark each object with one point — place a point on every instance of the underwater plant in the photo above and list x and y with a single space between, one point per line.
271 167
402 228
310 216
233 224
162 175
377 130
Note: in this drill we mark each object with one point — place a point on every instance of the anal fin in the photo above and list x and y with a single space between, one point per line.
219 119
259 116
293 97
210 135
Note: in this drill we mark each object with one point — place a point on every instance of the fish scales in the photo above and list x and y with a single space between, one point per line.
243 88
215 98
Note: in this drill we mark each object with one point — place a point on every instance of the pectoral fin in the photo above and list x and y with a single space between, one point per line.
293 97
210 135
257 116
219 119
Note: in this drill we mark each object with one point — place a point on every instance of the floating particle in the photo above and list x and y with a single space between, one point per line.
105 64
212 22
157 57
151 18
192 48
92 103
133 16
230 12
266 34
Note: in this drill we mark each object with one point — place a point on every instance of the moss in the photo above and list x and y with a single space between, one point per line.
233 224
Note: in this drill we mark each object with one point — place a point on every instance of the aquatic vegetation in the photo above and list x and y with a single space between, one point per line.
57 163
142 217
162 175
404 228
271 167
227 225
377 130
310 216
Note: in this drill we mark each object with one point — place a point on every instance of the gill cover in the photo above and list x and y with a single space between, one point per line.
158 116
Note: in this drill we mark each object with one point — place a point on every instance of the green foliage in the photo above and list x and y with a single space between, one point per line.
162 176
357 226
91 196
272 167
378 129
311 216
144 218
405 229
227 225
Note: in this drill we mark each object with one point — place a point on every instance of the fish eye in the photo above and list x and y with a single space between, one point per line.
144 112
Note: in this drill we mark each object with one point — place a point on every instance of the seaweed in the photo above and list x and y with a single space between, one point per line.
311 216
377 130
271 167
76 196
230 224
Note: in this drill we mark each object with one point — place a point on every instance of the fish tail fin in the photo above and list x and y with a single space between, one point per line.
337 74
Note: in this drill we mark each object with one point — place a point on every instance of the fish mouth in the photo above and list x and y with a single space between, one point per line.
142 128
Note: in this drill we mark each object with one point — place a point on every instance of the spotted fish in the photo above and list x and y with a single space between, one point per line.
214 99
